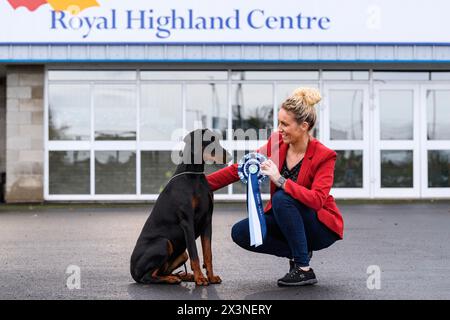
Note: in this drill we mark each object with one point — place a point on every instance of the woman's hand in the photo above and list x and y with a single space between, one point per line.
270 169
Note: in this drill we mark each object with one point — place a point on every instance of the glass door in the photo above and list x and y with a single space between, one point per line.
346 130
396 155
435 140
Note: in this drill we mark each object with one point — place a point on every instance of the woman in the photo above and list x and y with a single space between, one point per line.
301 215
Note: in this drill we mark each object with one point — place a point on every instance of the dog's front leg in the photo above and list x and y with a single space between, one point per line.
207 253
187 224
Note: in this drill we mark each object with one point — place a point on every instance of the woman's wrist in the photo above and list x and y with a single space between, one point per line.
275 178
280 181
283 183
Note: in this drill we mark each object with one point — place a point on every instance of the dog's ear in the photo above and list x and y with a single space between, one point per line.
192 153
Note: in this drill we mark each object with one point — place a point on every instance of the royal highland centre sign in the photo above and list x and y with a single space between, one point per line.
218 21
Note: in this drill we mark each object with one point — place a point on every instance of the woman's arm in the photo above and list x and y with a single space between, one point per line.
223 177
320 187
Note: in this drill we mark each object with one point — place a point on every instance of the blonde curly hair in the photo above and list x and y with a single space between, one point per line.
302 104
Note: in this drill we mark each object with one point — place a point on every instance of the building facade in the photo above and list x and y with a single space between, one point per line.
98 121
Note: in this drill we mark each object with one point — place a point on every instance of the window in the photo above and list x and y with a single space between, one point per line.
396 169
346 115
252 107
348 169
438 111
439 168
111 133
207 106
69 112
69 172
161 111
115 112
115 172
396 115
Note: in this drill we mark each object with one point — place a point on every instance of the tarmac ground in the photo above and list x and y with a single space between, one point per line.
389 251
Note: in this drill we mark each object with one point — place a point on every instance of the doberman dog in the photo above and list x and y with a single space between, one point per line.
182 213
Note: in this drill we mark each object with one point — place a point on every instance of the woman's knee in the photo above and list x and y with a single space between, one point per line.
239 232
280 199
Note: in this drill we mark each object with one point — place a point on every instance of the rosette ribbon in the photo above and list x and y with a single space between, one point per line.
249 170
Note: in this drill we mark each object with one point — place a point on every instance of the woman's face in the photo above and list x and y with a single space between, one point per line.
291 131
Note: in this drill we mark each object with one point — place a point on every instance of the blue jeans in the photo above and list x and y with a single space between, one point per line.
293 229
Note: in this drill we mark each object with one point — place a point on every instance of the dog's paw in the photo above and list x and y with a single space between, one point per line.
214 279
172 279
188 277
201 280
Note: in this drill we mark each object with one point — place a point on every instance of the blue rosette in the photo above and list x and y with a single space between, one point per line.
249 171
251 164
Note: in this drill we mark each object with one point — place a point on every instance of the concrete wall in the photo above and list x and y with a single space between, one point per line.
2 134
25 134
2 125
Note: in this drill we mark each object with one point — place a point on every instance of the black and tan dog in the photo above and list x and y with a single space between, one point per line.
182 213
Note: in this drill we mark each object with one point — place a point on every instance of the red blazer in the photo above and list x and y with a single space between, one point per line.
313 183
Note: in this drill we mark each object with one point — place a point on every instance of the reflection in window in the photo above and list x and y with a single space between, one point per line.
284 91
206 107
439 168
69 112
396 168
241 188
396 115
438 114
157 168
252 107
161 111
115 112
348 171
115 172
346 114
69 172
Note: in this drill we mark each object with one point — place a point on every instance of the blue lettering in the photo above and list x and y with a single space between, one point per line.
90 24
60 19
162 22
321 25
310 20
269 23
229 21
114 25
75 23
141 19
176 18
250 18
85 24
